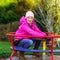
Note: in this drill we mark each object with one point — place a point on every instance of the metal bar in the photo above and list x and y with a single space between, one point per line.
44 48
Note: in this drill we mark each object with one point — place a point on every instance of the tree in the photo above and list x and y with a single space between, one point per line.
49 11
14 10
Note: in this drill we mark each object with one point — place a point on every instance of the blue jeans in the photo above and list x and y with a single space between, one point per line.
37 42
26 43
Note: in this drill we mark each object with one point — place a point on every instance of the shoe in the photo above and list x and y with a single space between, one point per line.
36 54
15 54
22 57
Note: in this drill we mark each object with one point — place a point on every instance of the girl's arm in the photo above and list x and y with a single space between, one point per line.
31 31
38 30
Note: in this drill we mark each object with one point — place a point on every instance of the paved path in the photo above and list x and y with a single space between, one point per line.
30 57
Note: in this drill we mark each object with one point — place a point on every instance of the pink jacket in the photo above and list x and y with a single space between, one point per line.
27 29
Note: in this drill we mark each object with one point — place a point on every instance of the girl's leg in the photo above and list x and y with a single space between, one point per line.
25 43
36 46
37 43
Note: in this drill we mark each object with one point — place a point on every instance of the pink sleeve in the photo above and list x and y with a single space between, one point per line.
31 32
38 30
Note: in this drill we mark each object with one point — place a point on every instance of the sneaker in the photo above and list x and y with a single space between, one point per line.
22 57
36 54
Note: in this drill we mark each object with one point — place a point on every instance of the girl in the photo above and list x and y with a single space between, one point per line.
28 27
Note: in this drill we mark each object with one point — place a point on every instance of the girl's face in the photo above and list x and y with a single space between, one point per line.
29 19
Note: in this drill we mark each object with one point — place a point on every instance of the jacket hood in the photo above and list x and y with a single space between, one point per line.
22 20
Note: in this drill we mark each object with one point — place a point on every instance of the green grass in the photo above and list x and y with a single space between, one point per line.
58 52
5 50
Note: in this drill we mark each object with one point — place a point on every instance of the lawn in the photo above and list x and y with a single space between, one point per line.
5 50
